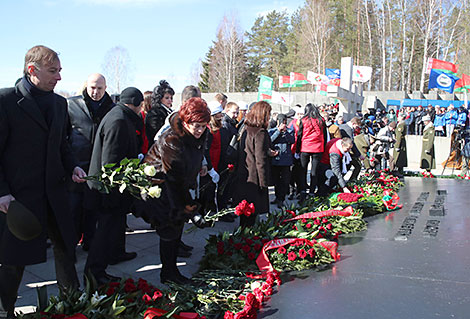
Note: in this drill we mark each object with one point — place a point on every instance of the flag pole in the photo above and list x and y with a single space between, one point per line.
465 98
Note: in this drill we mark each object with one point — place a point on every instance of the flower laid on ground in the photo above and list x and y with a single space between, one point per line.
427 174
349 197
128 176
239 270
298 254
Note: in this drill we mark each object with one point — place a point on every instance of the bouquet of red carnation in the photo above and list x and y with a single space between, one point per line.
349 197
299 255
245 209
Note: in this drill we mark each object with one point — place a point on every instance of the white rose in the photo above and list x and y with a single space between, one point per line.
150 170
154 191
255 284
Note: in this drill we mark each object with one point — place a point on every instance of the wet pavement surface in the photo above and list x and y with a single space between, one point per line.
411 263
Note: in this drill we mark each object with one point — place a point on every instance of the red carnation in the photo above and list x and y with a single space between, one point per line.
229 253
248 241
302 253
317 221
238 246
246 248
220 248
251 256
308 225
255 237
304 220
257 247
291 256
228 315
146 298
114 284
281 250
157 294
129 287
329 226
251 301
349 197
311 252
324 220
110 291
231 167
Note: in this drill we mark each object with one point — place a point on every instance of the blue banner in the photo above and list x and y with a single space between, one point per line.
442 80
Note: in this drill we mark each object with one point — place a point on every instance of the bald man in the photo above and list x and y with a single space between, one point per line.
85 114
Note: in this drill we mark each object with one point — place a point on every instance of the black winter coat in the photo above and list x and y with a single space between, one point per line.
177 155
115 140
82 128
154 120
35 159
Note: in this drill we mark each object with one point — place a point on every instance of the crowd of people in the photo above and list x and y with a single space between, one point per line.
208 156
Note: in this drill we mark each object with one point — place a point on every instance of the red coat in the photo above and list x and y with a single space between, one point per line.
330 148
313 138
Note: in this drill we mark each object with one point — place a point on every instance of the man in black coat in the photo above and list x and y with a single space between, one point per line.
347 130
85 113
35 160
115 140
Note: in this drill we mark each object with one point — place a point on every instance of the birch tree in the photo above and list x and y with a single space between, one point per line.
117 68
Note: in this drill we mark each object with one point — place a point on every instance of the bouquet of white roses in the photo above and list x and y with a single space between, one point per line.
129 175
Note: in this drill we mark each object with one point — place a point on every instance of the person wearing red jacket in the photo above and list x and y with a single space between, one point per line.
309 146
332 165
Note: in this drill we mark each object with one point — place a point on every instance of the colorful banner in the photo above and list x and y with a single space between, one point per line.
334 75
297 79
265 89
463 85
444 66
361 73
282 98
284 81
442 80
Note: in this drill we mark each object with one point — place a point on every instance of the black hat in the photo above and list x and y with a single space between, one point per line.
131 95
22 223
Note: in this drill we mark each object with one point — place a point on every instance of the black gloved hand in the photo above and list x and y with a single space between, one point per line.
199 221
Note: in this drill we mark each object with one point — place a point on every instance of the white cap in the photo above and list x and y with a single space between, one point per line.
243 106
426 118
215 107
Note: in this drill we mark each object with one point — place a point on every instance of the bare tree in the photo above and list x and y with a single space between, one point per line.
428 10
228 63
315 31
117 68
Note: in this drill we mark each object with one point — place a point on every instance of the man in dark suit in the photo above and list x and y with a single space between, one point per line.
347 130
35 159
85 113
115 140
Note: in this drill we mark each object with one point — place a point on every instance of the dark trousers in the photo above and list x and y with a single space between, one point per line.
305 158
280 178
357 164
11 275
169 254
107 240
296 175
84 219
325 183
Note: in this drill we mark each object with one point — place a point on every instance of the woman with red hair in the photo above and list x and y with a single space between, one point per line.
177 155
254 162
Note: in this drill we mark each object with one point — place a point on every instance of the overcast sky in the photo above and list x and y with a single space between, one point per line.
164 38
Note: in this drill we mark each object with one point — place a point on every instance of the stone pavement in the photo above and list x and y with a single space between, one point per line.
142 240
